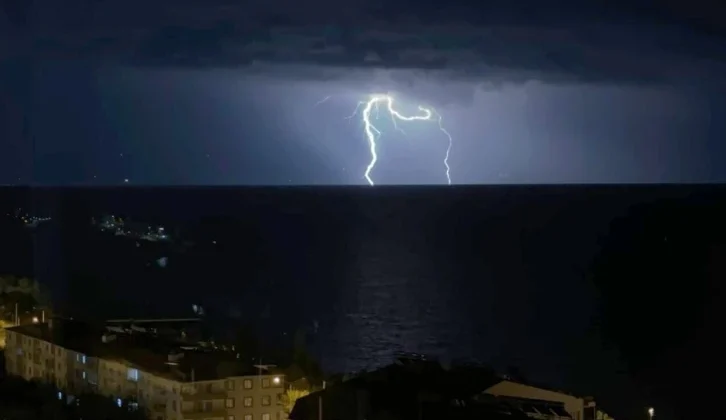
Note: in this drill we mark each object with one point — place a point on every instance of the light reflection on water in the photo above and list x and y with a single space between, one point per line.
366 277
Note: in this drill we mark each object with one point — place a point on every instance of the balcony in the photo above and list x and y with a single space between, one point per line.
204 394
158 408
201 414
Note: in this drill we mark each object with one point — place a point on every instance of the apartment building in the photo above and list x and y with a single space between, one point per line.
577 407
169 382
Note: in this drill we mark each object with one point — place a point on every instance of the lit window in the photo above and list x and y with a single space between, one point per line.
248 416
247 384
266 416
265 382
119 402
230 385
266 401
83 374
230 417
230 403
132 375
81 358
248 402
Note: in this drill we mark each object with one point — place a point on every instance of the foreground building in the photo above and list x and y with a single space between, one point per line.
168 380
422 390
579 408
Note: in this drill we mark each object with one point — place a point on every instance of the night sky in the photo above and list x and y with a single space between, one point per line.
215 93
113 93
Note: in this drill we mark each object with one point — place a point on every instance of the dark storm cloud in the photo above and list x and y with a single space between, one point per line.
495 46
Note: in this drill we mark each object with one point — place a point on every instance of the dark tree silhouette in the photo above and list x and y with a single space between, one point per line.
658 281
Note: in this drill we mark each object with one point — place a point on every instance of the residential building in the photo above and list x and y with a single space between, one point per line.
579 408
180 329
532 408
417 390
171 382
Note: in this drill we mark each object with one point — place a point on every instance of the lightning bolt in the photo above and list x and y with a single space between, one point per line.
373 133
440 120
322 101
372 108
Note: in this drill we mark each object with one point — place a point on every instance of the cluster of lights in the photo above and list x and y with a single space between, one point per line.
32 220
117 225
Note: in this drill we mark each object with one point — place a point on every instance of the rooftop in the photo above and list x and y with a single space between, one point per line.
455 392
458 381
144 351
68 334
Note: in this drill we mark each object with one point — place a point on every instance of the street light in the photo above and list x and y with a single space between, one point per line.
651 411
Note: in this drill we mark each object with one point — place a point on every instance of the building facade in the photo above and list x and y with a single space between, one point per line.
578 408
31 358
33 355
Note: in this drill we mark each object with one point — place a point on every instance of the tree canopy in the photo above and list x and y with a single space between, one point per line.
290 397
24 292
659 280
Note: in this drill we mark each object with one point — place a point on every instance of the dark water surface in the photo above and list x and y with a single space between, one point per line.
499 274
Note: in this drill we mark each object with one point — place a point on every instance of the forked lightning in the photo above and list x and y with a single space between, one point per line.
373 133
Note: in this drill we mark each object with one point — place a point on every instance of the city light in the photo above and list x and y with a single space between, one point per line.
276 380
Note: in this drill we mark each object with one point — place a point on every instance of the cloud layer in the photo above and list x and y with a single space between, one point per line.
325 40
